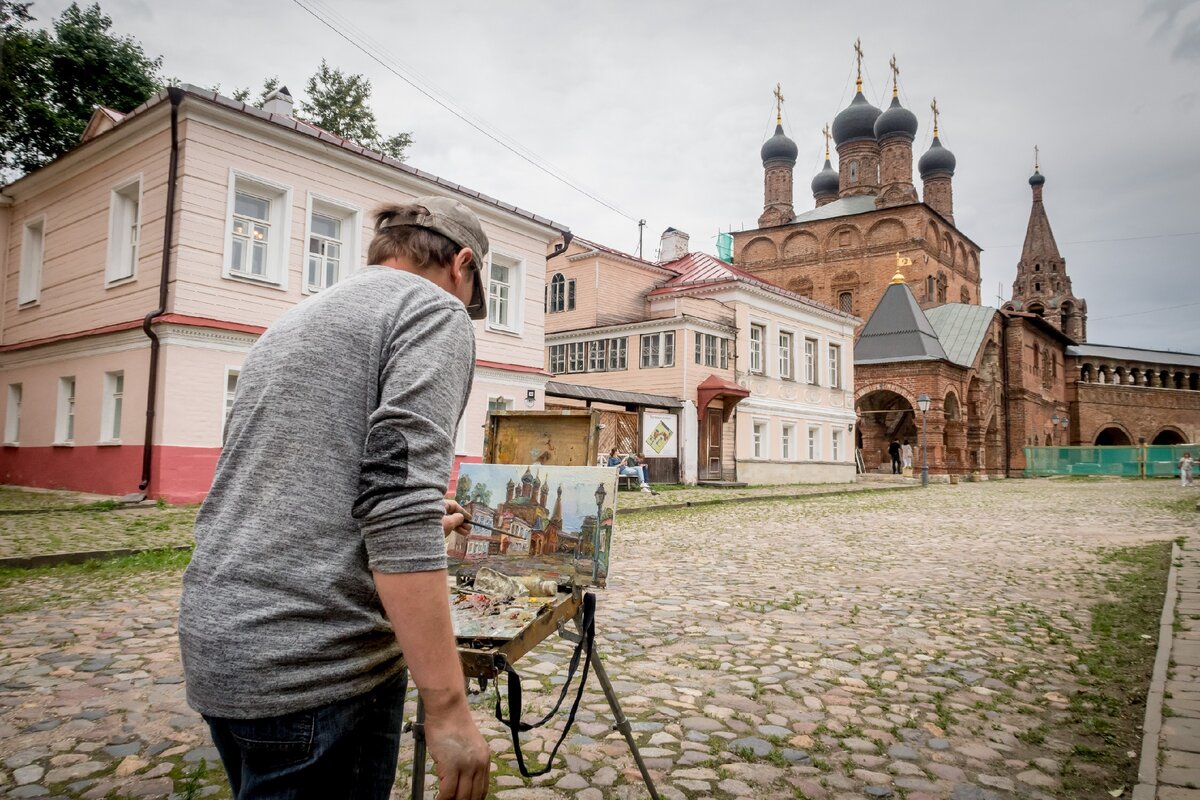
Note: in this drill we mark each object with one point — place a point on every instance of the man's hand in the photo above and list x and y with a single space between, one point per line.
455 519
459 751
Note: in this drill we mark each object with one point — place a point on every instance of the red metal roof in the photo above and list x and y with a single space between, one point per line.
697 270
615 252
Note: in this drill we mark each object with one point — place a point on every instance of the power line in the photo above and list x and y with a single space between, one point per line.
1147 311
401 72
1101 241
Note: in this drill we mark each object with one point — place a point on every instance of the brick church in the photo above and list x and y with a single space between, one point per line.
999 380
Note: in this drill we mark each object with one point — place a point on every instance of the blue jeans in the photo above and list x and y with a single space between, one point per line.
346 749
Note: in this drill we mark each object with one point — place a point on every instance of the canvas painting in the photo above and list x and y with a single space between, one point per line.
546 522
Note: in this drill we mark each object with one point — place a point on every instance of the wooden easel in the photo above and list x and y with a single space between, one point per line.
508 434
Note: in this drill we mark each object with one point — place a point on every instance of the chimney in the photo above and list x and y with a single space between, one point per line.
674 245
278 102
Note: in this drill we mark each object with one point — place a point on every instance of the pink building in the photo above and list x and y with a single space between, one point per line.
119 358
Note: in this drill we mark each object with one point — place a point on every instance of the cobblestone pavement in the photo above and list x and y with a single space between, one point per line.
882 645
704 494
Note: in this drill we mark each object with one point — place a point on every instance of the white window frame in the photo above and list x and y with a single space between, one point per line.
656 350
787 355
112 407
758 354
835 452
12 414
597 355
835 366
724 346
814 442
811 361
516 292
577 356
227 397
350 217
29 284
65 416
618 353
279 242
558 359
460 434
558 293
760 430
124 232
787 438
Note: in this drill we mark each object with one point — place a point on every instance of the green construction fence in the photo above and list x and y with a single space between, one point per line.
1150 461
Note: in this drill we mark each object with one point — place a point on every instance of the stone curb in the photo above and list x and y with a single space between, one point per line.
57 559
1147 786
80 509
762 498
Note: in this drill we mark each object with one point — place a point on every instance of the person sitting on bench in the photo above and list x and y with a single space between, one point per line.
634 466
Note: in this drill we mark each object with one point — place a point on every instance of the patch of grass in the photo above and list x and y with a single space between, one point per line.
1107 713
29 589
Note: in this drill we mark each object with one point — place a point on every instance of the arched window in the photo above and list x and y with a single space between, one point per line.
1037 267
941 287
929 284
846 302
965 296
558 293
1037 287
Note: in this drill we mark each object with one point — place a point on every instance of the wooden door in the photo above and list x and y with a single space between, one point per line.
710 453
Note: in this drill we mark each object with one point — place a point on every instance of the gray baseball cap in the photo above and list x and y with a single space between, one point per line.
457 223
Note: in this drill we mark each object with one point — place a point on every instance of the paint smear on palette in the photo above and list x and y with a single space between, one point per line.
553 522
476 616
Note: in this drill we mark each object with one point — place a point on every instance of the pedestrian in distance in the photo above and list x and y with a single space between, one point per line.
894 452
1186 465
319 570
906 456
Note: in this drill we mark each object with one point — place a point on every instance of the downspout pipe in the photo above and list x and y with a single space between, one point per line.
176 95
561 248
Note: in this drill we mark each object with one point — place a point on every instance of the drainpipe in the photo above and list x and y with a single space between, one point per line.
1004 394
176 95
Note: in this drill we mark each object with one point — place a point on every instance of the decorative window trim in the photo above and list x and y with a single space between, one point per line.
760 367
787 442
12 414
278 247
120 251
814 442
812 361
67 410
787 355
351 218
760 432
834 357
226 398
516 293
110 422
29 279
558 294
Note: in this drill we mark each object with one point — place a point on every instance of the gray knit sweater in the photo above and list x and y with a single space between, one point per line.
337 455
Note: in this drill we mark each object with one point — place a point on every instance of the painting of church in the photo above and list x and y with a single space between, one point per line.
525 532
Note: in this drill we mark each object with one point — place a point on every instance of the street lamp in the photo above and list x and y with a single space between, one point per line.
923 406
600 495
1054 427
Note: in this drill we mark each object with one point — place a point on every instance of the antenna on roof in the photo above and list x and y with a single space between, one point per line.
641 227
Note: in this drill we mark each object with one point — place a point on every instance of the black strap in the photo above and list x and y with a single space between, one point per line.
513 723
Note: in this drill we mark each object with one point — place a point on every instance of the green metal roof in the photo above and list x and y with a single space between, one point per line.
961 329
846 206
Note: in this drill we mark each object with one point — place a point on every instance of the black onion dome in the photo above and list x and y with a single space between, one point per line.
779 147
1037 178
826 181
855 121
937 159
896 121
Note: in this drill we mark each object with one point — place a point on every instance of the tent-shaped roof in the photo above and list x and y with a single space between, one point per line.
961 329
898 330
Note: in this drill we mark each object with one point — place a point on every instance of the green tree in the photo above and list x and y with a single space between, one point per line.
340 104
462 492
482 494
51 82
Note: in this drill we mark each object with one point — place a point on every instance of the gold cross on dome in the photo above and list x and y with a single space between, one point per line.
1035 158
858 57
933 105
778 104
825 132
895 75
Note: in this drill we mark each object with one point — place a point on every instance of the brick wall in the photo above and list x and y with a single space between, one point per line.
1140 411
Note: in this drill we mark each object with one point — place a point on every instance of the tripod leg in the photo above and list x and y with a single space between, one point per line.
418 765
622 724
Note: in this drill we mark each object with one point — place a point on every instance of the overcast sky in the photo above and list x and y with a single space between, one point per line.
659 109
